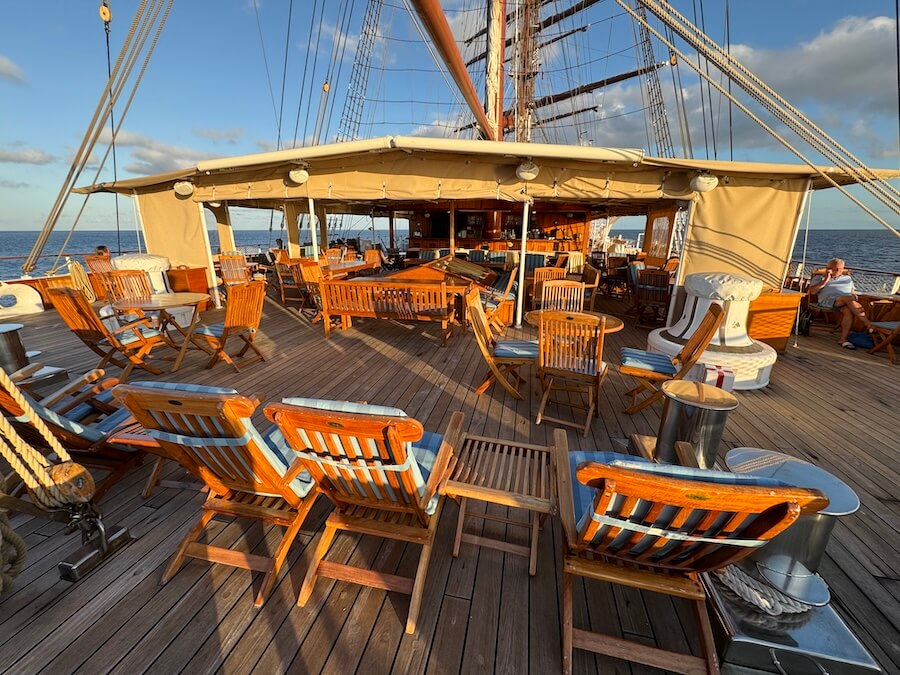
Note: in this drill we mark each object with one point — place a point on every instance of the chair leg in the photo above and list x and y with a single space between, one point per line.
460 523
535 531
567 624
546 397
415 602
153 480
281 552
313 571
189 538
707 642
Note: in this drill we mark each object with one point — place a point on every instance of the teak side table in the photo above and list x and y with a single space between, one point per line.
508 473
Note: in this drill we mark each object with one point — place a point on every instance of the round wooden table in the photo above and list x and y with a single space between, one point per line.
613 324
162 302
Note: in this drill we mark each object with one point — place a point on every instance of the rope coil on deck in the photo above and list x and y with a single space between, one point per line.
758 593
12 550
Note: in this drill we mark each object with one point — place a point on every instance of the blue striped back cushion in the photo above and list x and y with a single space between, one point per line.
477 256
234 462
657 363
583 496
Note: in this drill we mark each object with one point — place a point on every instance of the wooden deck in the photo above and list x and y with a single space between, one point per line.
481 612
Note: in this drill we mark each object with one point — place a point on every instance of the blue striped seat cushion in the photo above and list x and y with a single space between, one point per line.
638 358
424 451
516 349
583 495
82 410
272 444
129 336
215 330
887 325
647 287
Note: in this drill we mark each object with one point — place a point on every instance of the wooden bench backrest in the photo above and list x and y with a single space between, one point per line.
385 298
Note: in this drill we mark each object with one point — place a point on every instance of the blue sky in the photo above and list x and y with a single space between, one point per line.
206 92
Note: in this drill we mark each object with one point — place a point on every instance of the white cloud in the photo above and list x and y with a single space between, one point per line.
10 72
12 184
150 156
227 135
25 156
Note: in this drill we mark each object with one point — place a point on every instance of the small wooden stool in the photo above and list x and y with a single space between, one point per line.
508 473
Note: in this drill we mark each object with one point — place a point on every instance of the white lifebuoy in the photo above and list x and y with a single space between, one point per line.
27 300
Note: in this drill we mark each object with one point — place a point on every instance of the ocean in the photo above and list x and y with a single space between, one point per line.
871 249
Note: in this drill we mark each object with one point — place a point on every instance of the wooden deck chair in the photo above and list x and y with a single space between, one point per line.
98 264
542 274
134 341
562 296
81 415
503 357
652 369
124 285
290 282
656 528
497 302
382 474
651 294
885 334
590 277
209 432
374 258
570 348
242 316
233 269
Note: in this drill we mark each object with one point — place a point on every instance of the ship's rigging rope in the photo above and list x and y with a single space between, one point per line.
143 34
785 113
107 20
134 44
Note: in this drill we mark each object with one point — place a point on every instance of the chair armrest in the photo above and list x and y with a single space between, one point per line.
26 372
442 465
71 387
560 450
686 454
133 326
134 439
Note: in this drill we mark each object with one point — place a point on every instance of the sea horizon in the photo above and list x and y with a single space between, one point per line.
877 249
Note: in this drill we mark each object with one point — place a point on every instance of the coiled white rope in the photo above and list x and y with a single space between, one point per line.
758 593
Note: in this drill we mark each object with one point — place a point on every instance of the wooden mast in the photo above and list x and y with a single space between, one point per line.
496 54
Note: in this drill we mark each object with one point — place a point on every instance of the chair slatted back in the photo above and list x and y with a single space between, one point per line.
667 523
562 295
334 255
480 326
79 316
373 258
98 264
211 435
233 268
652 287
699 341
245 306
126 285
590 277
562 260
570 344
542 274
356 459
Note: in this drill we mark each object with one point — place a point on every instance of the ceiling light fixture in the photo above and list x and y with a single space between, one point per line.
299 175
184 188
527 170
704 182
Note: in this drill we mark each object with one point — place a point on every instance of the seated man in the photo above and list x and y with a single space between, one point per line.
835 290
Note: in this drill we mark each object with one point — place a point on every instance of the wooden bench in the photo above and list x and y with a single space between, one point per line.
383 299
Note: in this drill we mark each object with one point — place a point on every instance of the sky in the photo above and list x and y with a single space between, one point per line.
213 88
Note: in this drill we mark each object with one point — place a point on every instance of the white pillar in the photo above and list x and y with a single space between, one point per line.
312 229
520 296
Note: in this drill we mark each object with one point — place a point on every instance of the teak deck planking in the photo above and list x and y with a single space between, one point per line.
481 611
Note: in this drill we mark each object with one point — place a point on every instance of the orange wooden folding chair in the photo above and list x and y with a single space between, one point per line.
242 317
